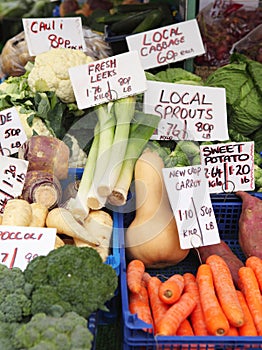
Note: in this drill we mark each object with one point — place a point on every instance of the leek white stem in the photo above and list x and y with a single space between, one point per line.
141 130
124 112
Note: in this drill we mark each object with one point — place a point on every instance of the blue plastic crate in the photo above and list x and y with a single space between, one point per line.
103 317
227 209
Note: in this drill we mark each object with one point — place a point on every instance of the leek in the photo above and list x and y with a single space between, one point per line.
106 121
141 130
124 110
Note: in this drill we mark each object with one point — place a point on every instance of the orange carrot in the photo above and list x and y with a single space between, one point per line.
158 307
226 290
171 289
145 278
134 275
197 316
185 328
233 331
176 313
256 265
249 286
248 328
216 321
139 304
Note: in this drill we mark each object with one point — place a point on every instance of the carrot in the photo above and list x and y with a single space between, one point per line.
197 316
185 328
145 278
249 286
216 321
171 289
158 307
176 313
256 265
226 290
248 328
139 304
233 331
134 274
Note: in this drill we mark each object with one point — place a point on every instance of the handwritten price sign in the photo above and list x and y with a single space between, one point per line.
187 112
167 44
12 177
19 244
189 198
12 134
107 79
229 166
43 34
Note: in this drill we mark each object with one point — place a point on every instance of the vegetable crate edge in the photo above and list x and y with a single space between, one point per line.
102 317
227 209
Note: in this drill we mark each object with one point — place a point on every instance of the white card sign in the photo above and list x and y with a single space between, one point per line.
229 167
43 34
187 112
189 198
20 244
164 45
12 134
12 178
108 79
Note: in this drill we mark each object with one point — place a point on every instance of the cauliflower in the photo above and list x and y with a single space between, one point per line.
34 126
50 72
77 156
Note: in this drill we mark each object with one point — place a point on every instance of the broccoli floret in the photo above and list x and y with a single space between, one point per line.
43 332
77 275
15 303
45 299
7 331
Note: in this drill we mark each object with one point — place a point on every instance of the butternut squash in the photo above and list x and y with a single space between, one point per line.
152 236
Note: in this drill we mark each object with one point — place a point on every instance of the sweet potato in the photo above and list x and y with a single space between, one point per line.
222 249
250 225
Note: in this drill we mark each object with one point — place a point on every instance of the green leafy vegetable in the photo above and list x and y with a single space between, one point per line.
241 79
75 279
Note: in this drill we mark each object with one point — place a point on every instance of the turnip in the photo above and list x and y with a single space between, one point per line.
250 225
46 153
42 187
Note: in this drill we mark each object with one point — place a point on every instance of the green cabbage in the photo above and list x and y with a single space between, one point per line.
242 80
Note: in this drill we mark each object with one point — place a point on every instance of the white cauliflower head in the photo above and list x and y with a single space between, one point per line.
50 72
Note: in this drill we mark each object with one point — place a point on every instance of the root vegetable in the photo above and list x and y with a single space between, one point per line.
250 225
223 250
58 242
101 223
39 214
152 236
65 223
17 212
42 187
46 153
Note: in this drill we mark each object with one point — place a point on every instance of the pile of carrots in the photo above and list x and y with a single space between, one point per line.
204 304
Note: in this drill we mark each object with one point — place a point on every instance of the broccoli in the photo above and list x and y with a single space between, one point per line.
15 303
74 278
7 331
44 332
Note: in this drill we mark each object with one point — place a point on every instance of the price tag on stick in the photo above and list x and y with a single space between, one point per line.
20 244
189 198
187 112
229 167
12 178
107 79
12 134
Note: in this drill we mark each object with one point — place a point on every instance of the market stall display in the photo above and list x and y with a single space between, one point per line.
95 177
